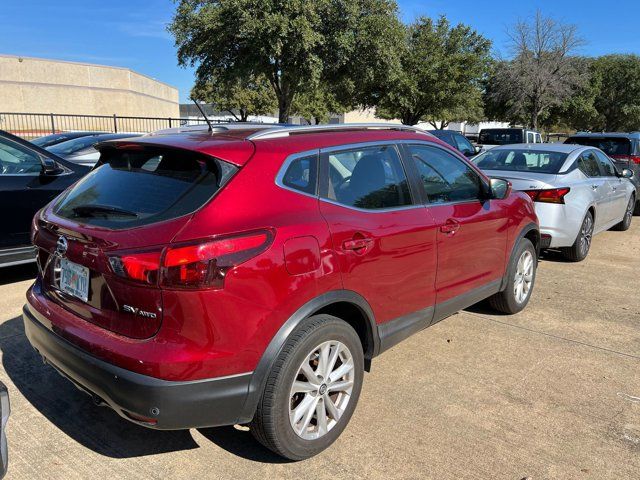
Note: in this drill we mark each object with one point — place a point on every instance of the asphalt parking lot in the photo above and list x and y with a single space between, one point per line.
553 392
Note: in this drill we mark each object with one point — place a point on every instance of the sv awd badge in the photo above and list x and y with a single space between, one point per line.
137 311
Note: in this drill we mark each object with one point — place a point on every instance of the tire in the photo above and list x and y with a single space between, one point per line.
580 248
271 424
624 225
522 272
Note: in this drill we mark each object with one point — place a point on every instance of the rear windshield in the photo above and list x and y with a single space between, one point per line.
535 161
609 145
502 136
133 188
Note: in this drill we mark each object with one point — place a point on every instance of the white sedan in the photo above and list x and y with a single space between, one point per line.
577 191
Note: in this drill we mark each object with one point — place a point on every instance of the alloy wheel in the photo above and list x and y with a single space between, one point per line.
629 212
321 390
524 276
586 233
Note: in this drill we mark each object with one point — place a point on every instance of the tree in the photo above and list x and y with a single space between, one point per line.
618 99
578 111
239 98
315 105
439 73
541 74
295 44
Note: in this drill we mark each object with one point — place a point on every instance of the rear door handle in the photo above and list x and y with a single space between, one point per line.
450 227
357 244
595 186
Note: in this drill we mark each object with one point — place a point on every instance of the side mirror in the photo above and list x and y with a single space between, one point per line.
469 153
49 166
500 188
626 173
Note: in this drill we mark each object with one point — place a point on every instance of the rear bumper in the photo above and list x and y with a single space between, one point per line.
171 405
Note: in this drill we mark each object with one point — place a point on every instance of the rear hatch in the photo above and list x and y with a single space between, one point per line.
620 149
100 243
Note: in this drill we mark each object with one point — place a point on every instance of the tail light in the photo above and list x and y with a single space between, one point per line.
551 195
194 265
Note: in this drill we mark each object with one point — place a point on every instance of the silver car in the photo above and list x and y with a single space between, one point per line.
577 191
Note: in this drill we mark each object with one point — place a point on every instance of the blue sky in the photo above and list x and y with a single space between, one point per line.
132 33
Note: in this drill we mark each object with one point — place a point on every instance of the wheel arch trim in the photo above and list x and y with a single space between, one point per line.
271 353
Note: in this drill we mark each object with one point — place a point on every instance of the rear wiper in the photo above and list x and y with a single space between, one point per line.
92 210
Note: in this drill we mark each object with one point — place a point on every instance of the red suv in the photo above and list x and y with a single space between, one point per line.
251 274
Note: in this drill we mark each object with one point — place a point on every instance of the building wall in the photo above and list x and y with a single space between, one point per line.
38 85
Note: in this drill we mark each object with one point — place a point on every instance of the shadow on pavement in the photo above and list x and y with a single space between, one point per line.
72 411
99 428
241 443
18 273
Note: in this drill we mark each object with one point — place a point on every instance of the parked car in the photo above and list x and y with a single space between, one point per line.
457 141
490 137
251 275
623 148
577 191
30 177
81 150
55 138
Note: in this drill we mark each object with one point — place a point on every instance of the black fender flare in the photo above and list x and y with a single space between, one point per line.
523 232
271 353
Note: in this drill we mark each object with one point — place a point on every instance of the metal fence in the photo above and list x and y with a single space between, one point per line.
33 125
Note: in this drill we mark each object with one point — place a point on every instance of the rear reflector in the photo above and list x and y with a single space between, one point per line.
195 265
552 195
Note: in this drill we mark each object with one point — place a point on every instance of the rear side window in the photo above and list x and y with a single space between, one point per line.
370 178
302 174
445 177
133 188
588 164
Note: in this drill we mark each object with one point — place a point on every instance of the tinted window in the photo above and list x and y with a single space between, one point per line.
132 188
370 178
301 174
539 161
530 138
500 136
463 144
606 167
609 145
18 160
445 177
588 164
445 136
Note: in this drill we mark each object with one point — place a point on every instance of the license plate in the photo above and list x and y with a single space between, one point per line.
74 279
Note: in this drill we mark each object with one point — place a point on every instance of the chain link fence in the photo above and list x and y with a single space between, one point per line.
33 125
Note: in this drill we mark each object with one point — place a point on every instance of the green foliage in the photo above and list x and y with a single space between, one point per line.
439 73
316 105
618 99
294 44
240 98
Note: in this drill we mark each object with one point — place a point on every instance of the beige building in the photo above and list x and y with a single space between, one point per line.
37 85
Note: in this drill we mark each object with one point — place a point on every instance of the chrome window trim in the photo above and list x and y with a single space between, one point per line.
294 156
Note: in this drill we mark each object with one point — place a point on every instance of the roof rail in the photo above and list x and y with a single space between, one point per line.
277 132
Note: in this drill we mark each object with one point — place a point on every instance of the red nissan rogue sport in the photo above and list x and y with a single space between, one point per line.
250 274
